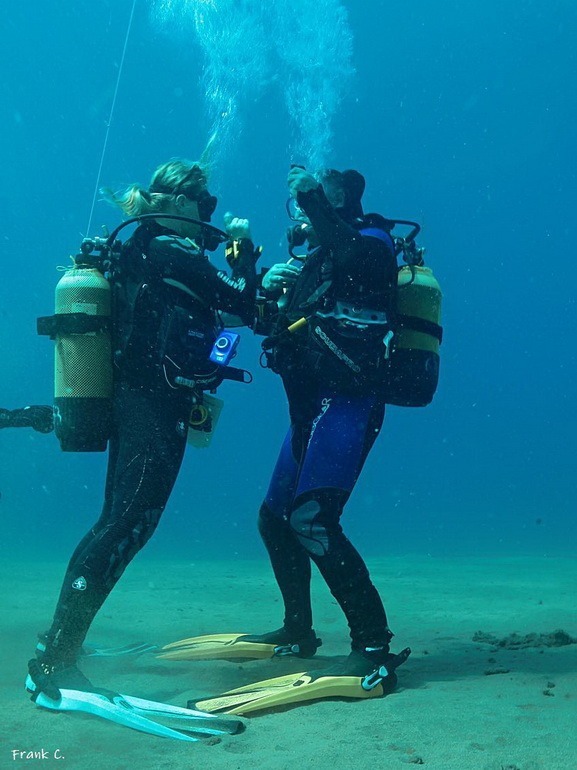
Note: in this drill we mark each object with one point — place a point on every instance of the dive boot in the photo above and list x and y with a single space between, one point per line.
50 679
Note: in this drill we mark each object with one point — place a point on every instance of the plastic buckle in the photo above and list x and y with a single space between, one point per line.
232 252
286 649
387 339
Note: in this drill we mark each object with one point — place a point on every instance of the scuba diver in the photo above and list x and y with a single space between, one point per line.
334 309
335 409
167 321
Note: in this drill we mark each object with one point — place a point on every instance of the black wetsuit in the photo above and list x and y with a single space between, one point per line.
336 412
167 324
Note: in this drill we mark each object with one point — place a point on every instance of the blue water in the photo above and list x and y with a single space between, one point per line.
462 119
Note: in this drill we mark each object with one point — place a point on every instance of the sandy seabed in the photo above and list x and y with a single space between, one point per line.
460 705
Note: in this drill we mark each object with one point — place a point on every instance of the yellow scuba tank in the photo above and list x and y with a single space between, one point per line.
83 359
83 362
413 364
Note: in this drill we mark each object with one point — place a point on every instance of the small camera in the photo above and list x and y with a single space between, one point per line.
224 348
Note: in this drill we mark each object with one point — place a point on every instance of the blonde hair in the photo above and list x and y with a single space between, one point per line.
172 178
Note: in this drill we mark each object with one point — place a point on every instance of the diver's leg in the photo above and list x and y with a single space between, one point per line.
290 562
292 571
338 447
83 545
145 463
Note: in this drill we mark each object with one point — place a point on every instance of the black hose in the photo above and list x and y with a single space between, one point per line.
112 237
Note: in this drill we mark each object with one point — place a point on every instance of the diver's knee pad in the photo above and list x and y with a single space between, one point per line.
315 519
306 525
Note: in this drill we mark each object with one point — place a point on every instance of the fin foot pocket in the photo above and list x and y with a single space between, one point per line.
43 678
241 646
362 663
286 643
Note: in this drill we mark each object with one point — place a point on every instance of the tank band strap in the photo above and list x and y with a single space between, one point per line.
71 323
420 325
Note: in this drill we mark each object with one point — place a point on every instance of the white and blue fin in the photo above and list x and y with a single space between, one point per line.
142 715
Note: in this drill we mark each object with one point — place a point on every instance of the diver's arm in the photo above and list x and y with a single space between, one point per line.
353 252
40 418
330 229
179 260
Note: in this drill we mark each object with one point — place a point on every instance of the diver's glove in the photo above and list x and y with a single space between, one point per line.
300 180
280 276
240 243
40 418
235 227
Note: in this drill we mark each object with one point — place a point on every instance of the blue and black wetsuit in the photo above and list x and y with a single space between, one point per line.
169 298
336 413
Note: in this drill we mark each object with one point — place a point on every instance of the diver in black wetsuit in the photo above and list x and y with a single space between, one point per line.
168 320
345 289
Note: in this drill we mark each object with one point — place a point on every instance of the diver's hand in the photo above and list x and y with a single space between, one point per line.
300 180
235 227
41 418
280 276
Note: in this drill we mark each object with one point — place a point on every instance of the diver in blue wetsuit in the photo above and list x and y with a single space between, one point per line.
328 363
330 321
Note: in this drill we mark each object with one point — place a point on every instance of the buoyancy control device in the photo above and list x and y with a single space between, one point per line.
82 328
403 363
